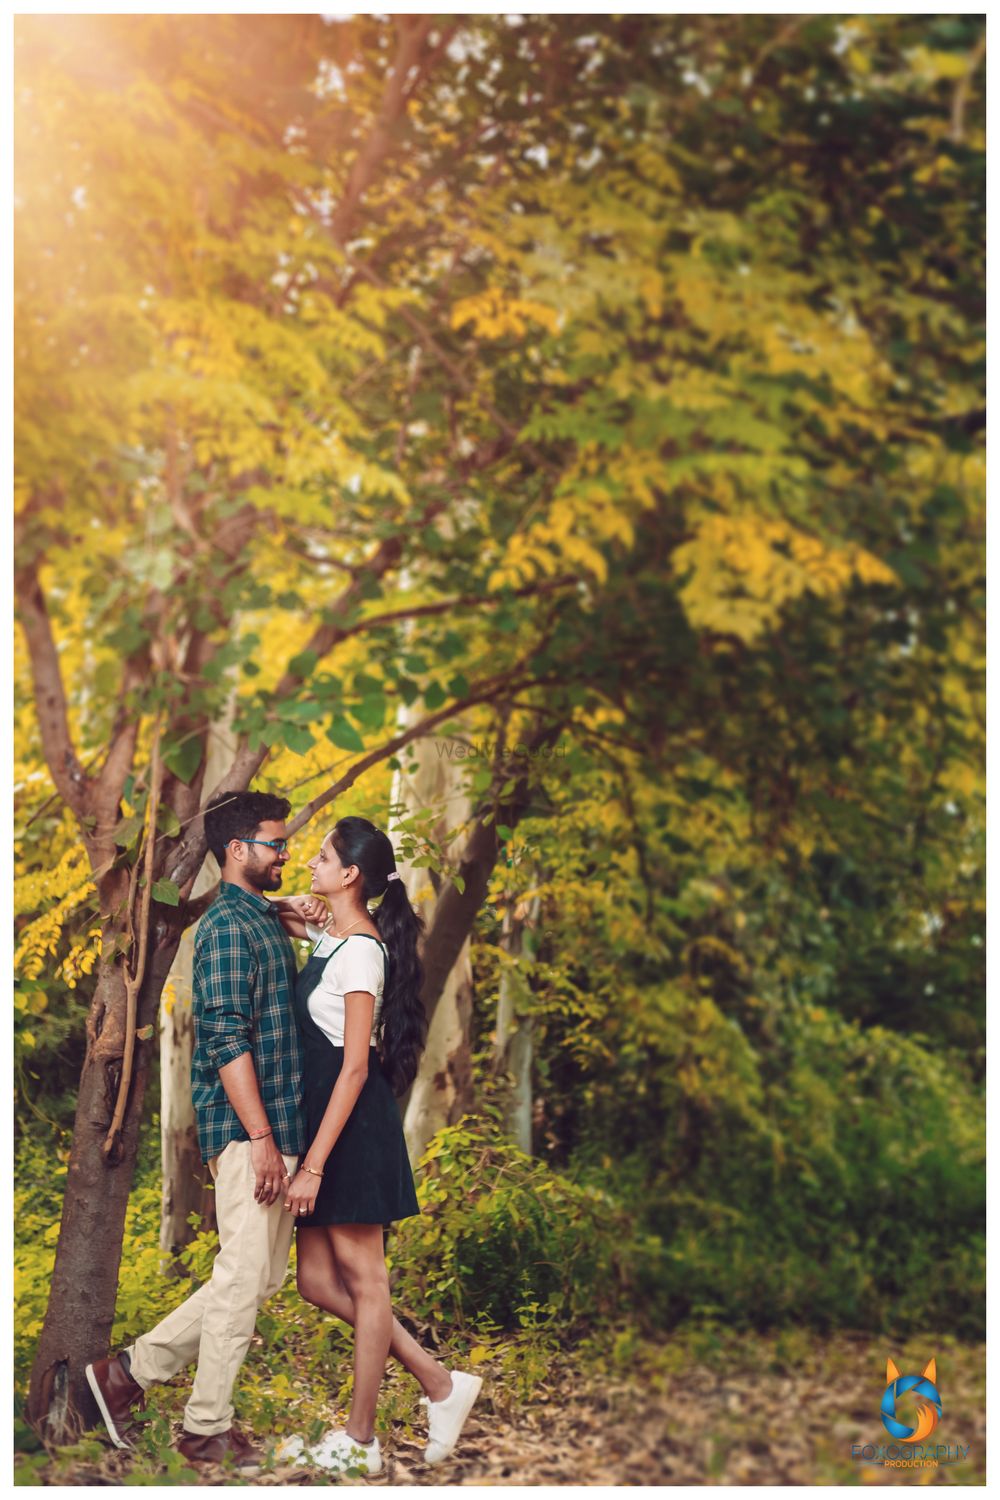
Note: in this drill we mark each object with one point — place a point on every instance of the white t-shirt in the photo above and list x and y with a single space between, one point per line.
357 964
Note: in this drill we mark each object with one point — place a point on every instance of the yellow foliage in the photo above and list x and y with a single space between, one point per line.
744 568
934 65
40 939
81 958
587 510
493 314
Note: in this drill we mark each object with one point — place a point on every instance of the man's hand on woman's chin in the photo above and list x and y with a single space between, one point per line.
313 909
310 908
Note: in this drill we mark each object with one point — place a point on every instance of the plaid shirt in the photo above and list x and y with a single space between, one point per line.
244 978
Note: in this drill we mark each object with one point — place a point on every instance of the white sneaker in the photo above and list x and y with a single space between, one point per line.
447 1418
335 1450
338 1450
291 1449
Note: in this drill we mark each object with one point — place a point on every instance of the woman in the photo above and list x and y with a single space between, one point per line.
358 1005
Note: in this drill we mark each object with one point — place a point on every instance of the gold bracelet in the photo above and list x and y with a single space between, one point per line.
312 1170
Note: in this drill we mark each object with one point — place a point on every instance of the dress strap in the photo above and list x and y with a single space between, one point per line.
332 950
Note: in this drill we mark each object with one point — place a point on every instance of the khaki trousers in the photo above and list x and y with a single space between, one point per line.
216 1323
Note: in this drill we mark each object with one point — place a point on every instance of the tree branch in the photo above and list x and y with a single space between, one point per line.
60 754
485 693
442 606
429 342
412 34
133 980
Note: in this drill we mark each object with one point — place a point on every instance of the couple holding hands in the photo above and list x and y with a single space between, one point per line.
294 1077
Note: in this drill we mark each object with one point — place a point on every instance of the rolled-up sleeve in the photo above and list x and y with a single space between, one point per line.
223 1008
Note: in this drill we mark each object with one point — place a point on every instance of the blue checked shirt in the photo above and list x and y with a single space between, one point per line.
244 978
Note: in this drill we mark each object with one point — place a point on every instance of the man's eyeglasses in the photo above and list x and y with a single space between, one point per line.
279 844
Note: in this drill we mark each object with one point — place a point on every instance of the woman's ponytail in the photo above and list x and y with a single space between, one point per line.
402 1025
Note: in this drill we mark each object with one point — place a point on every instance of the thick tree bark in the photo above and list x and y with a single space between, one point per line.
455 910
187 1183
81 1306
442 1089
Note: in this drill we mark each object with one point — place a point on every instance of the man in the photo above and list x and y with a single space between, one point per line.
246 1084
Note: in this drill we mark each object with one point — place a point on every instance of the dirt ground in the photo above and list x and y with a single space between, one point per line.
763 1411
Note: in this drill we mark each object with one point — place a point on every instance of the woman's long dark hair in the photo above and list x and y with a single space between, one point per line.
402 1023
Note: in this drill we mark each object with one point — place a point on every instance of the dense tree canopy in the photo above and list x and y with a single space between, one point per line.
612 383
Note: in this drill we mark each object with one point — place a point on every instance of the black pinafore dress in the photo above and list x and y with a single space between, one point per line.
367 1177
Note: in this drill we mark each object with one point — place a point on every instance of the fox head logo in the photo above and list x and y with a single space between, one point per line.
925 1396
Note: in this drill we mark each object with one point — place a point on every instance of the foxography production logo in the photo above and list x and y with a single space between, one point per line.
926 1399
910 1450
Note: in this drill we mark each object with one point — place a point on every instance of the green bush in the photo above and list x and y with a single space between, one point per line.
505 1242
846 1190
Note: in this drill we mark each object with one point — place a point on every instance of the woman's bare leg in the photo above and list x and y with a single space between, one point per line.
319 1282
357 1249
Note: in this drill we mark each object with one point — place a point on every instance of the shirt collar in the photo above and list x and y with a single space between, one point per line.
236 893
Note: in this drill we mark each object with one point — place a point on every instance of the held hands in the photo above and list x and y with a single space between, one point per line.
268 1168
301 1195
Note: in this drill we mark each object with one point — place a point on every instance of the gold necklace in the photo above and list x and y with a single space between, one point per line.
346 929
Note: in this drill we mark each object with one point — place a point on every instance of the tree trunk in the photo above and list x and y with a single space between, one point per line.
454 912
81 1305
442 1089
514 1048
187 1183
520 1056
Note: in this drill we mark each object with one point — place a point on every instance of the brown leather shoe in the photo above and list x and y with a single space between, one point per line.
217 1447
118 1397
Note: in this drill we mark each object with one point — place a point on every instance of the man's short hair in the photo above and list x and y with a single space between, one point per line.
238 815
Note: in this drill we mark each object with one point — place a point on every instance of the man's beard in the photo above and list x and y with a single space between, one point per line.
264 879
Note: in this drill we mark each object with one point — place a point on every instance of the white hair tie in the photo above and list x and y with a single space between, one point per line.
394 876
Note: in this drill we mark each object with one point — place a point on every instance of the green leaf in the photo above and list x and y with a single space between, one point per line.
370 712
183 757
129 637
435 695
458 882
298 738
168 822
166 893
303 664
452 645
305 712
127 831
343 734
